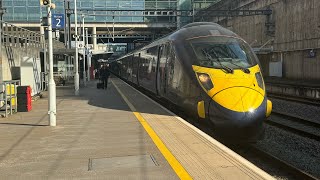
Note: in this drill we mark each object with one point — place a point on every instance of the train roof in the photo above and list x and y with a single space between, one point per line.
196 29
199 29
192 30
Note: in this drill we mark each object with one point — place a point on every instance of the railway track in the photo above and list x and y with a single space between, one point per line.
267 157
291 98
295 124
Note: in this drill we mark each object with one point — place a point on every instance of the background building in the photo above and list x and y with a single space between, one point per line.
30 11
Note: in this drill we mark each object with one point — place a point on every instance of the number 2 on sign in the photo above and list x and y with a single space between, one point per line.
59 21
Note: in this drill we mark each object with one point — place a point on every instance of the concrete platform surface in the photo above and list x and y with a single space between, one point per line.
96 137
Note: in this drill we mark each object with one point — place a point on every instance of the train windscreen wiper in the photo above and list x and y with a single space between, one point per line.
245 70
226 68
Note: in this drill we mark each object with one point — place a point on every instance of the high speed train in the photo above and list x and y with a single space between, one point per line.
207 71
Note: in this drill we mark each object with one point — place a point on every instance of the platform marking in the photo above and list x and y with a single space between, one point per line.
174 163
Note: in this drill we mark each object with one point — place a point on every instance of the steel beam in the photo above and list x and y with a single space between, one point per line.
171 13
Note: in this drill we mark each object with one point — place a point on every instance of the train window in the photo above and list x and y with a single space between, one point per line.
150 56
148 61
221 52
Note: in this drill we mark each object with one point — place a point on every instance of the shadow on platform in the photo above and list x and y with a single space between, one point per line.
108 98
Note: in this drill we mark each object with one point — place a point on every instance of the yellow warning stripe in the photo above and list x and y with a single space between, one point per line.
174 163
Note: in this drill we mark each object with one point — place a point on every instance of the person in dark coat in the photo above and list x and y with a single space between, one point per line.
104 75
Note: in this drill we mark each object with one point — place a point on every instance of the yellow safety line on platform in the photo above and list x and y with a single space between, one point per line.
174 163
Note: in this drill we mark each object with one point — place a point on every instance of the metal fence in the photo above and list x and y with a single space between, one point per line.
44 81
8 97
20 37
12 35
61 79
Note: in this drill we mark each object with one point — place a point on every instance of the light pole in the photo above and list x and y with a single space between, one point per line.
2 10
88 56
76 66
84 52
52 85
66 40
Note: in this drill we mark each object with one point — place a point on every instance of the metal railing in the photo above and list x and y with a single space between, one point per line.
20 37
44 81
8 97
59 78
12 35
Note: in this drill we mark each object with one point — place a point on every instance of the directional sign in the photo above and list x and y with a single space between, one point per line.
58 21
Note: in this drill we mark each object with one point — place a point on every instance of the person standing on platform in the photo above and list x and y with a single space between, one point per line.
104 74
99 71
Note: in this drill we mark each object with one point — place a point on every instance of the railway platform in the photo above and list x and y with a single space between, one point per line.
286 81
302 90
116 133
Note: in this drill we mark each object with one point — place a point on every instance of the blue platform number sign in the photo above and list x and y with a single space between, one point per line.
57 21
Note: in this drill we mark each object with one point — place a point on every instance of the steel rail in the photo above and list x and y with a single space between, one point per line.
292 98
293 130
300 174
297 119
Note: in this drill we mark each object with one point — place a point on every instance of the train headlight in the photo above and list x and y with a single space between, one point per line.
205 81
259 80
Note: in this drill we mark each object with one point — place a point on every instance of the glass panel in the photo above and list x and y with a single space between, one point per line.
59 4
34 17
101 18
125 19
9 11
33 3
125 5
99 8
7 3
89 18
112 5
138 5
20 17
20 3
72 4
110 19
20 10
9 15
86 4
43 12
137 19
99 4
59 10
32 10
222 52
7 18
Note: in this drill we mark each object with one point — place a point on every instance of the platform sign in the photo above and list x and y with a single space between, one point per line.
58 21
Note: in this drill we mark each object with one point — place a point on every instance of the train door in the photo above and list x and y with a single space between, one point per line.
161 69
173 76
134 68
130 68
158 71
138 65
147 68
125 68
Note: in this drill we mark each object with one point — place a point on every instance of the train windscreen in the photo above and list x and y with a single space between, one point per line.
223 52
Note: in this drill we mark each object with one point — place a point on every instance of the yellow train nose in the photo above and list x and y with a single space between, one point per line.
239 99
238 112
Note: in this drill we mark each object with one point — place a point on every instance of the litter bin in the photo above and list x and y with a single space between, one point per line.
24 98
